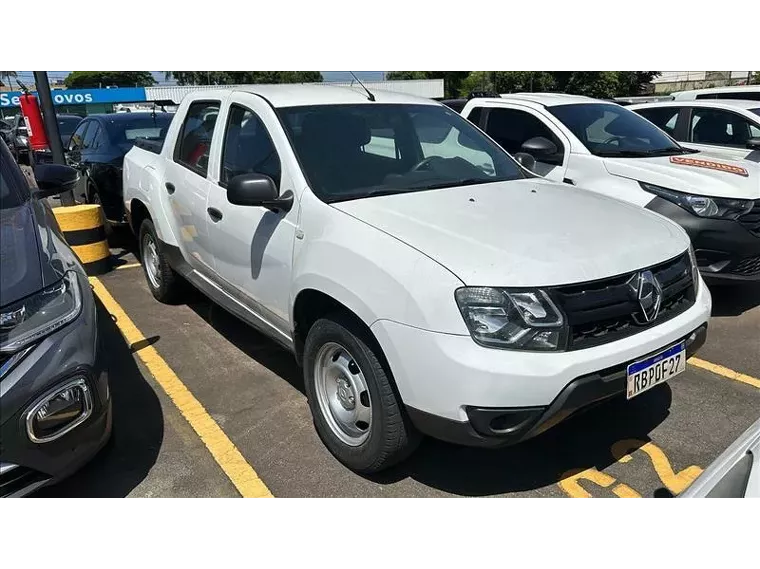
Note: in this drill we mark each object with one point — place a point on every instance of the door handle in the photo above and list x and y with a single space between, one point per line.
214 214
170 188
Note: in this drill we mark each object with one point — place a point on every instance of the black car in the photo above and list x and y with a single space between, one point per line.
55 403
97 150
18 137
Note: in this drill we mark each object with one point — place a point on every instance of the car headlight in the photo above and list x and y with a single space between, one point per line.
36 316
703 206
524 319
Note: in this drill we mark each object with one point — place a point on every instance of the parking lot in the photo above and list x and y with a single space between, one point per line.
206 406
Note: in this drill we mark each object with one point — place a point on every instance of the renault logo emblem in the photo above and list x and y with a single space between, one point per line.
649 295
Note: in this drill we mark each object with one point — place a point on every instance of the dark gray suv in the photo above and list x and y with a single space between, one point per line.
55 405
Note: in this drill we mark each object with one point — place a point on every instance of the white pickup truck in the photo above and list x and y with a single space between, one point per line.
609 149
437 287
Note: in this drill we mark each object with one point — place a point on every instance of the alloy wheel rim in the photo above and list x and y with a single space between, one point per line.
151 262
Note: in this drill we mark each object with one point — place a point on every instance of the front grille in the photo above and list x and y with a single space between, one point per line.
19 478
746 267
751 220
604 311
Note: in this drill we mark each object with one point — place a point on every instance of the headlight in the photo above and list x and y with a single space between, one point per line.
703 206
36 316
512 319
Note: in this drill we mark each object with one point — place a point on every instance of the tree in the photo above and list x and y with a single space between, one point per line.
242 77
7 74
508 81
601 84
452 80
755 78
85 79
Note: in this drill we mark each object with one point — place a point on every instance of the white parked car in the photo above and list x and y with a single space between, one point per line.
609 149
439 288
726 128
741 92
735 473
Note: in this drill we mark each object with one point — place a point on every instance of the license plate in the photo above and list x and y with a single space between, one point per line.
645 374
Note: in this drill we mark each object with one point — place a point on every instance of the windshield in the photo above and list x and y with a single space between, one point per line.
67 125
612 130
12 182
356 151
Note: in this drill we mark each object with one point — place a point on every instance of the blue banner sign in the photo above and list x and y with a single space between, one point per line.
82 96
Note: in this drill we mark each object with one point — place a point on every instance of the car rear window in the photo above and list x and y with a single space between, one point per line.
152 127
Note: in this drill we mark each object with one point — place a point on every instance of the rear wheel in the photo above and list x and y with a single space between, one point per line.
93 197
356 411
163 282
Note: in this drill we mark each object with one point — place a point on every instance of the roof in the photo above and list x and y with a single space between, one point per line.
712 103
296 95
694 92
550 99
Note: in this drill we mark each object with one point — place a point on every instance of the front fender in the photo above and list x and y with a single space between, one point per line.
374 274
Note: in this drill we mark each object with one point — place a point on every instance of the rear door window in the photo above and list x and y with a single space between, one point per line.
192 150
90 137
78 137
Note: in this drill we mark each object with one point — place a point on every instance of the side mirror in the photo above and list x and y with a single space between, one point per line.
753 143
539 146
257 190
525 160
54 179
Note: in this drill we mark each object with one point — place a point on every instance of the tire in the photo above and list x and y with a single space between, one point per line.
164 284
93 197
389 437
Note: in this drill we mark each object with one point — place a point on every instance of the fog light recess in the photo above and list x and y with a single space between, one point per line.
60 411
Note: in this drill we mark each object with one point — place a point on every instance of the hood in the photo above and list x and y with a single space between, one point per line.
524 233
19 254
699 175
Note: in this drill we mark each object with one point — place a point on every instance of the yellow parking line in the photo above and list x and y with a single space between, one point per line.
129 266
225 453
725 372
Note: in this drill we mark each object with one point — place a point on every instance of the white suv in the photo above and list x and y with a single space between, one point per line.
425 281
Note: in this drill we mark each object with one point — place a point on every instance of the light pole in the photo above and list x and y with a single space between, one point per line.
51 126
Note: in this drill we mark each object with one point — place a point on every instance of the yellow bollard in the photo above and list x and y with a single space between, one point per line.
82 226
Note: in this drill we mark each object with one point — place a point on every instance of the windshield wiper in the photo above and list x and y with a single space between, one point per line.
639 153
666 151
453 183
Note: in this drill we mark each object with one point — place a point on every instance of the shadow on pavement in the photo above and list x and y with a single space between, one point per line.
580 443
734 300
254 344
138 428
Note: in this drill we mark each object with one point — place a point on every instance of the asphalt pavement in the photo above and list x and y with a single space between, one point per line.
654 445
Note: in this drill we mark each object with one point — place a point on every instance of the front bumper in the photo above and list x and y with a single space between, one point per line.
497 427
73 351
454 389
726 250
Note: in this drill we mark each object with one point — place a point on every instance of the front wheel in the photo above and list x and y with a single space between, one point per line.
356 411
163 282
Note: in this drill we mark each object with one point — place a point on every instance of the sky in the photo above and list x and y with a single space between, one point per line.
54 76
